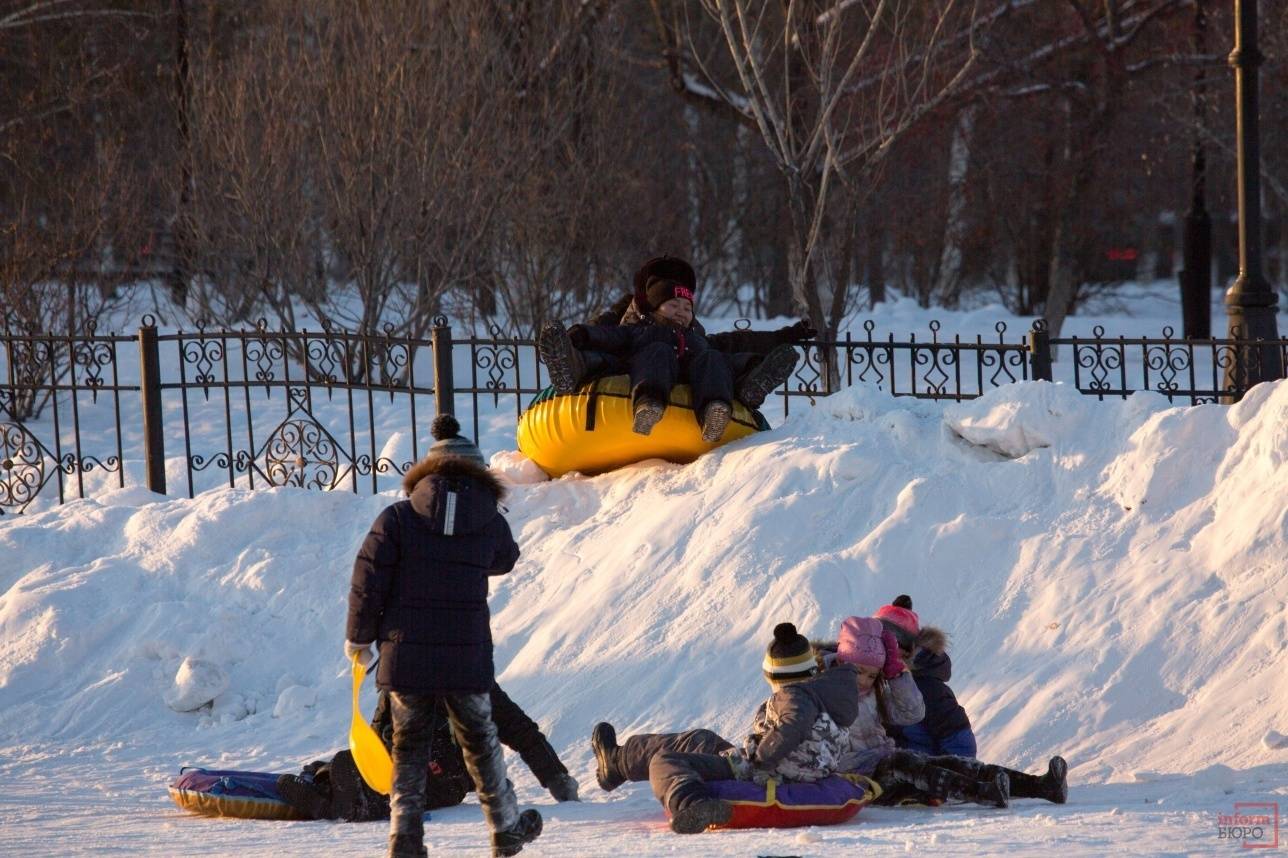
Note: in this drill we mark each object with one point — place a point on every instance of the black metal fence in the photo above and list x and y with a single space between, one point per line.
332 409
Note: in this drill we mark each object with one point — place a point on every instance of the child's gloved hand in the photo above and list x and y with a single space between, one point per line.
894 661
798 332
742 768
366 652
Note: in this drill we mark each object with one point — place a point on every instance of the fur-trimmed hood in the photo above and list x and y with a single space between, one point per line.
931 658
932 639
457 496
451 466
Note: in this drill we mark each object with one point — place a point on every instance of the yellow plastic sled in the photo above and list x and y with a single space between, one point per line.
590 430
369 752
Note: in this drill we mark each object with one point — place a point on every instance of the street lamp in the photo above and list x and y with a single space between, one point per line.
1196 277
1250 302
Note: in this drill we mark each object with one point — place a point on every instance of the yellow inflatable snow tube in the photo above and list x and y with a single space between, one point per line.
590 430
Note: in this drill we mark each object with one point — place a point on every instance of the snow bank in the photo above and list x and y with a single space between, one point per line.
1112 575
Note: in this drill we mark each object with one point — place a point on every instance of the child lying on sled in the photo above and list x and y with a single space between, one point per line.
333 789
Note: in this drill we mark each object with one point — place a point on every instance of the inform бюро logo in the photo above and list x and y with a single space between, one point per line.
1254 824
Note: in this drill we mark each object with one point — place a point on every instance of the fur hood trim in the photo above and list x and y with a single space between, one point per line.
932 639
451 466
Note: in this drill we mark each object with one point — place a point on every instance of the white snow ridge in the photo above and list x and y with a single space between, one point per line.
1112 575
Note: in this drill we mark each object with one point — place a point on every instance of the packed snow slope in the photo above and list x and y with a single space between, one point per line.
1114 576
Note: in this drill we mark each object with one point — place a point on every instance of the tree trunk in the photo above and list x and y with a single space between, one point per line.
1064 278
947 289
181 271
875 265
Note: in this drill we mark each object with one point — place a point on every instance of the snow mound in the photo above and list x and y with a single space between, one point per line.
1112 575
197 683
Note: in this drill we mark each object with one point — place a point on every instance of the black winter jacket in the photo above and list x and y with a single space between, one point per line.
796 708
420 580
931 669
731 342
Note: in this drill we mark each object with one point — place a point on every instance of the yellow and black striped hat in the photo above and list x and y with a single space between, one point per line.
789 658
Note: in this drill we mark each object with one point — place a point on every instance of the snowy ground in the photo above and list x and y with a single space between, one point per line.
127 813
1113 575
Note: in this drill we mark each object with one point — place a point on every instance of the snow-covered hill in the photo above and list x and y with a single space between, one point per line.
1114 577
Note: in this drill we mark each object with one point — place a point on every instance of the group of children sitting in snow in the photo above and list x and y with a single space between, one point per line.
849 707
418 603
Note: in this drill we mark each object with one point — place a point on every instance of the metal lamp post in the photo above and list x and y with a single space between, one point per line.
1250 302
1196 277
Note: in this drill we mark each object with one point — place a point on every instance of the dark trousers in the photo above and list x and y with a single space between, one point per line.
470 716
650 355
676 765
946 777
514 729
519 732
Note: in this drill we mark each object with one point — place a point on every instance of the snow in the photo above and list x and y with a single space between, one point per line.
197 683
1112 575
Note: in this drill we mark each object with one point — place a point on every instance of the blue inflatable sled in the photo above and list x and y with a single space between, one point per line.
243 795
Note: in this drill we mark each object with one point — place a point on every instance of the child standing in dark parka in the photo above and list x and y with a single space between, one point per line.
419 592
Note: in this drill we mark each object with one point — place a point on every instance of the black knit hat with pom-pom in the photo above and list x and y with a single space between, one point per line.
789 656
448 440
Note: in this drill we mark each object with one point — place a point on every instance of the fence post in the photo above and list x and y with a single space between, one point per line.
1040 351
150 388
444 387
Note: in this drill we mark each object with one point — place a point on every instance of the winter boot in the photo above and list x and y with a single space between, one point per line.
512 840
1052 786
700 815
563 361
648 411
770 373
305 796
406 846
564 788
603 741
1056 782
946 785
715 419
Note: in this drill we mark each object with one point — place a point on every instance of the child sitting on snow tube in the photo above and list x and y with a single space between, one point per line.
333 789
946 728
888 692
660 343
798 735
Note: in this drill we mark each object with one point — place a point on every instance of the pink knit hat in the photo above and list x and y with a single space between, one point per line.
901 619
860 642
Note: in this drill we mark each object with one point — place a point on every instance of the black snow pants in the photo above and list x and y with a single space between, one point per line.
911 776
676 765
658 358
470 716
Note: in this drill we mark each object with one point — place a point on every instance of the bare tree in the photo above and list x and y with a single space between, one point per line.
829 87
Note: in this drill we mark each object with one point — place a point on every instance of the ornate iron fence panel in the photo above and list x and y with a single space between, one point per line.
326 409
497 370
1193 371
53 388
343 410
954 369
